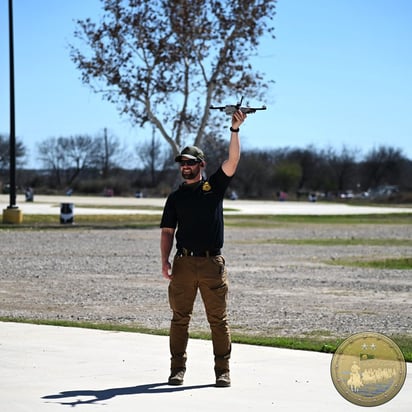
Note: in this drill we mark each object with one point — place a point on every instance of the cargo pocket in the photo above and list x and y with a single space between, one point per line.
220 263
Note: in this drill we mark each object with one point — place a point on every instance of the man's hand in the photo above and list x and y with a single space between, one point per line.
238 118
166 267
166 243
229 166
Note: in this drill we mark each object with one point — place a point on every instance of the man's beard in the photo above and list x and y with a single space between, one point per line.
189 174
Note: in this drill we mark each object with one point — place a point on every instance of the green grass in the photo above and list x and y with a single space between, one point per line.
119 207
404 263
390 263
259 221
138 221
338 242
317 341
115 327
243 221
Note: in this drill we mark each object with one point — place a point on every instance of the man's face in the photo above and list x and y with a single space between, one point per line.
189 168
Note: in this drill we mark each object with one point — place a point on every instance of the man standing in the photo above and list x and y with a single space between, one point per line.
195 212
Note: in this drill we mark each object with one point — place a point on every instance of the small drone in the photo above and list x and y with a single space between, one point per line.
232 108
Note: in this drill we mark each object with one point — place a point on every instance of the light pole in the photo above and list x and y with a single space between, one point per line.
12 214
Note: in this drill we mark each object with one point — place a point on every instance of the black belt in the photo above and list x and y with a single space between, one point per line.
206 253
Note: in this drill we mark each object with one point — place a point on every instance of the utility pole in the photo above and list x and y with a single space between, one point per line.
12 214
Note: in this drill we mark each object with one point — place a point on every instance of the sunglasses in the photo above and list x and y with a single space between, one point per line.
190 162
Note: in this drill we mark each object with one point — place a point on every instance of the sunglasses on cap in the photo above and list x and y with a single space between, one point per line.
190 162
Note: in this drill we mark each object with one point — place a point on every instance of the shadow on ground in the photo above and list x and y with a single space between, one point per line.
98 396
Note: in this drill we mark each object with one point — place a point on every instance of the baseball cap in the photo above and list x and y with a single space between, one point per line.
191 152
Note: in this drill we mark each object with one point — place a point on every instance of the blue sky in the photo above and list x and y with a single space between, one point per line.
343 73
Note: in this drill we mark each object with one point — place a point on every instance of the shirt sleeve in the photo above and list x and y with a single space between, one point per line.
220 181
169 217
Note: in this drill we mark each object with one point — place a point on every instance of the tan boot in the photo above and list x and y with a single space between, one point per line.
176 376
222 378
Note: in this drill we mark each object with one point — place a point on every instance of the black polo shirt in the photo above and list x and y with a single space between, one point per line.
196 210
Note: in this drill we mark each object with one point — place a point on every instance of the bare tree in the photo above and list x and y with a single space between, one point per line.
51 154
5 153
70 155
383 165
310 163
109 154
253 177
79 152
151 156
342 168
287 175
166 61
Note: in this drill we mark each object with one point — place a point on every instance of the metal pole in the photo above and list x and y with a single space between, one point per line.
12 113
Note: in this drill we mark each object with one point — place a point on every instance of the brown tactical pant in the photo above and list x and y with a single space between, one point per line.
208 274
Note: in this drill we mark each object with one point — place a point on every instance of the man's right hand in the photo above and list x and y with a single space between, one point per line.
166 243
166 268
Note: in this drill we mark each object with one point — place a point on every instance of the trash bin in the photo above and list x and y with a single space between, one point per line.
29 193
66 213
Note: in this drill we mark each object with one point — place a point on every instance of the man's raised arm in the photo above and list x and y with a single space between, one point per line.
229 166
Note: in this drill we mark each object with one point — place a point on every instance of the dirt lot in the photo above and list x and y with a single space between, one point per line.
275 289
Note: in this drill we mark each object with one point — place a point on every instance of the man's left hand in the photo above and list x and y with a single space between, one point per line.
238 118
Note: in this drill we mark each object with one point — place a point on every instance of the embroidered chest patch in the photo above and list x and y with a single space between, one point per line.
206 187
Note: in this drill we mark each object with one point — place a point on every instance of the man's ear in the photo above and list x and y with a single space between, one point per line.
202 163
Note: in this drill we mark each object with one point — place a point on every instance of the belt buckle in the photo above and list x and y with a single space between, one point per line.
206 253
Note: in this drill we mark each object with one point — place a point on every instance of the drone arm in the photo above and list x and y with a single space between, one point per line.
252 109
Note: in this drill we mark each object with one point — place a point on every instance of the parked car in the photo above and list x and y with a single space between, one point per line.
348 194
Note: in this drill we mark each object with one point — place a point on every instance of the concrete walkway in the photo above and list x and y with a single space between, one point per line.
47 368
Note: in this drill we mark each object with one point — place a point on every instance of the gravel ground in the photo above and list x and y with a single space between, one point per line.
275 289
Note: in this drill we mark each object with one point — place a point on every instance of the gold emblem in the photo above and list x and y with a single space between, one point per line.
368 369
206 187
